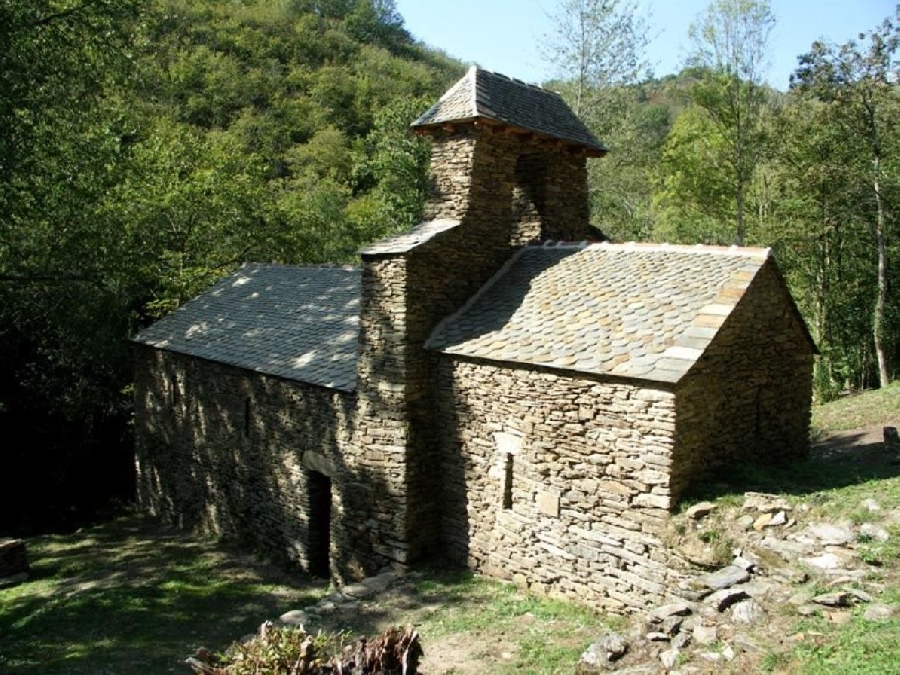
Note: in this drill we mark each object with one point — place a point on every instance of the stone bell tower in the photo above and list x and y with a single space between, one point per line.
508 168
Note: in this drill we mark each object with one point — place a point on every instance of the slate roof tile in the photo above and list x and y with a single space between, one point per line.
406 241
636 311
482 94
300 323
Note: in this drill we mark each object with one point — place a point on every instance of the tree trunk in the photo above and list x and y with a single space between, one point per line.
881 298
739 234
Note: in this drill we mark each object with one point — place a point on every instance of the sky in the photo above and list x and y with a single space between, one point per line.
503 35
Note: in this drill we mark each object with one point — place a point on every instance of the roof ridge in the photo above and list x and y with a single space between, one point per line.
478 69
733 250
291 266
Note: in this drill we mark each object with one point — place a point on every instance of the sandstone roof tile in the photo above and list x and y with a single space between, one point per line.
636 311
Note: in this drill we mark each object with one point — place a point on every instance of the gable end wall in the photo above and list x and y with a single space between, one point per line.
748 398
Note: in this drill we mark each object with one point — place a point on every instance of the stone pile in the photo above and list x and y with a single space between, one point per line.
721 609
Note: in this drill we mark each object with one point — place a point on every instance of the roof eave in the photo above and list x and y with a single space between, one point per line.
431 128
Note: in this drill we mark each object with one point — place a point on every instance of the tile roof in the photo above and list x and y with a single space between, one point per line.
482 94
635 311
300 323
402 243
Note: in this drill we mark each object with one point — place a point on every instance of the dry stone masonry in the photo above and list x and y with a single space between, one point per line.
497 388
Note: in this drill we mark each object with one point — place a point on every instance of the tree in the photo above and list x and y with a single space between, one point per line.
595 45
858 81
596 52
729 47
820 238
694 198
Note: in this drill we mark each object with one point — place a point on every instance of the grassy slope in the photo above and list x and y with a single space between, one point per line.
126 597
859 411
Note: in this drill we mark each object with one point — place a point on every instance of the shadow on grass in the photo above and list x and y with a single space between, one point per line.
834 463
131 597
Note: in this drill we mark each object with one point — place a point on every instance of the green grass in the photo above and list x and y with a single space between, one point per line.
859 411
859 647
127 597
540 635
130 597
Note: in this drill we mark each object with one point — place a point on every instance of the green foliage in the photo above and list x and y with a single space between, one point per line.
146 149
695 200
854 90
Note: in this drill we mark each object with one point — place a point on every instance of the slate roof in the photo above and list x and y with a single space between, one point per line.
299 323
482 94
402 243
636 311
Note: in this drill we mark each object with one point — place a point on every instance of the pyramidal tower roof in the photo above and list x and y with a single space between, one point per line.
498 100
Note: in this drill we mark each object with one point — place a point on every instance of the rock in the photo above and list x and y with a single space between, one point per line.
380 583
724 578
657 636
672 625
325 606
791 575
743 563
838 599
858 595
800 598
831 535
295 617
724 598
744 643
760 501
788 550
748 612
711 657
701 510
758 588
881 612
705 635
728 652
745 522
669 657
808 609
681 640
839 617
662 613
602 654
779 518
13 560
826 561
762 522
871 505
872 531
13 580
358 591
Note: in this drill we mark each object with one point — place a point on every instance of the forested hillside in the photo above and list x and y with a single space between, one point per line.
146 149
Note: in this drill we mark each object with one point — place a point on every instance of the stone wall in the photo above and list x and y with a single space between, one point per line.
559 482
748 398
231 452
526 189
504 190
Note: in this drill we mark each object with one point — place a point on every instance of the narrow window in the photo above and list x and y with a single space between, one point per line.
247 417
507 481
